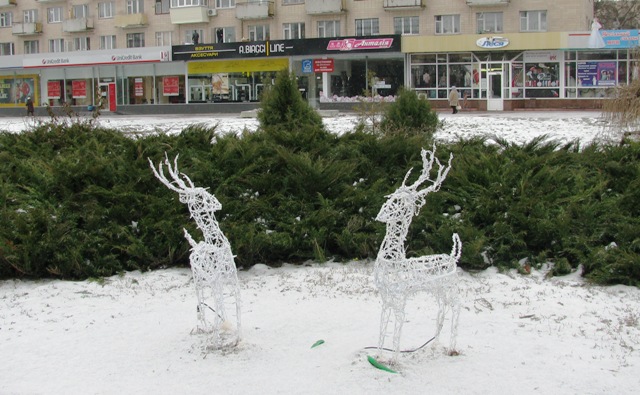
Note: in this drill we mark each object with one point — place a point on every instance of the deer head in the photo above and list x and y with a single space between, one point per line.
407 200
194 197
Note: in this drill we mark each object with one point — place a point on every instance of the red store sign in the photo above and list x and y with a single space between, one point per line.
323 66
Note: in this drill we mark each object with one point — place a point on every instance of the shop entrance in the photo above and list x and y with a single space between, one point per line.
107 96
495 100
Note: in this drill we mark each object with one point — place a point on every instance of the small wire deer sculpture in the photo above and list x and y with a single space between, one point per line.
397 277
212 263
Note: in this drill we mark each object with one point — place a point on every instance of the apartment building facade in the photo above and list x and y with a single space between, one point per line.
121 52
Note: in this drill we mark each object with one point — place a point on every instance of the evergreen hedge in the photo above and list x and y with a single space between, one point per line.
80 201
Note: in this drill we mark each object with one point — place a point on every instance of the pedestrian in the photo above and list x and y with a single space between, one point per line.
454 99
195 37
29 105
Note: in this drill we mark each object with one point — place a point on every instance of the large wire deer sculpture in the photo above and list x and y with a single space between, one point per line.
397 277
212 263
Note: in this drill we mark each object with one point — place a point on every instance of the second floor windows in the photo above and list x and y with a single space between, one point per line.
162 7
80 11
258 32
489 22
54 15
533 21
224 34
406 25
163 39
107 42
367 27
135 40
187 3
32 46
106 10
135 6
447 24
56 45
292 31
30 16
6 49
328 28
80 44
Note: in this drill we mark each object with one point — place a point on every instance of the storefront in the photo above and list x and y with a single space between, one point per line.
326 68
520 70
105 78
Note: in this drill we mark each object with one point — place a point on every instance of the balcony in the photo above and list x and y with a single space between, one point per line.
485 3
319 7
7 3
401 5
130 21
50 1
185 15
77 25
26 29
254 10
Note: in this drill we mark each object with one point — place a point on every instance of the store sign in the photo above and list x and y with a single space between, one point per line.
16 90
138 87
597 74
323 65
620 38
79 89
350 44
171 86
275 48
307 66
139 55
54 90
492 42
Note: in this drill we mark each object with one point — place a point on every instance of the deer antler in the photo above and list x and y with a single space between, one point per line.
174 173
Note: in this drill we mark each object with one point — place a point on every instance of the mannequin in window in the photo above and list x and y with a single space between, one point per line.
195 37
220 35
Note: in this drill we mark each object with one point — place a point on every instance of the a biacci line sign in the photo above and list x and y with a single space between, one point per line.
492 42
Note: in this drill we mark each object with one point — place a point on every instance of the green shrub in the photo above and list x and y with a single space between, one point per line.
409 115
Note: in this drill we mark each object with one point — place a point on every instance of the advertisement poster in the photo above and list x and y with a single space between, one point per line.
79 89
597 74
16 90
53 89
139 87
220 84
170 86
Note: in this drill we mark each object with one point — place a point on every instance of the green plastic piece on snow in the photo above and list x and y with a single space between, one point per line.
378 365
316 344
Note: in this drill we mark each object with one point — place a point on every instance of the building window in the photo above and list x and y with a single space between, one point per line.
328 28
447 24
224 34
54 15
81 44
406 25
6 49
285 2
187 3
367 27
135 6
163 39
225 3
292 31
189 36
489 22
108 42
135 40
30 16
258 32
162 7
106 10
80 11
533 21
32 46
56 45
6 19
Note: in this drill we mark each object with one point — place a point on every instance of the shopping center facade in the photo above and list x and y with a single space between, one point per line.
501 54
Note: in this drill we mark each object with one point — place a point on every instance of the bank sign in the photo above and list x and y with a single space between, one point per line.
86 58
274 48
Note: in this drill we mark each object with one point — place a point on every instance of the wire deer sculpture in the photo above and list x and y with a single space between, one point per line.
212 262
397 277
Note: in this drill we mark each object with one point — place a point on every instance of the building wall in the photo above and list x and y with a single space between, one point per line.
565 15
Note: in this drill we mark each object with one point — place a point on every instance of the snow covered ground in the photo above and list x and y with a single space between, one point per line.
131 334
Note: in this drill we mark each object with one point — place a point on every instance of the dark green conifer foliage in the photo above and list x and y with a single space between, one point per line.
409 115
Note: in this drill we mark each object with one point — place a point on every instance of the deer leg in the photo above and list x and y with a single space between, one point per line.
397 329
384 322
442 310
455 314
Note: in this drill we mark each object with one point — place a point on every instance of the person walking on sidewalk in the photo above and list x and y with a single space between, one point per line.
454 99
29 105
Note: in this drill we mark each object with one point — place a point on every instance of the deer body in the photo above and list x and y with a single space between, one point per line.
212 263
397 277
